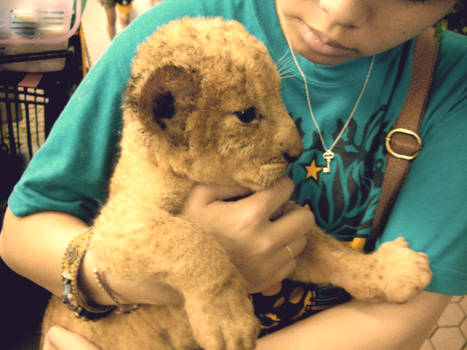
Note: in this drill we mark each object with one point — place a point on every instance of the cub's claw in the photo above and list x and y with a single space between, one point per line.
225 322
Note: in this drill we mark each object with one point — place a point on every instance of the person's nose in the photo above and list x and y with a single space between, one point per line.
348 14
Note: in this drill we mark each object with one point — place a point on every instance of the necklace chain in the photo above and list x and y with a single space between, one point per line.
328 154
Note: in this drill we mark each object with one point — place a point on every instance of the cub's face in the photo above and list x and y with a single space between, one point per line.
207 95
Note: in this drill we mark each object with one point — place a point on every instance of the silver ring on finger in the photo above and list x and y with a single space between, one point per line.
289 251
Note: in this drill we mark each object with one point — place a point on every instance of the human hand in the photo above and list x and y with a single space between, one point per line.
62 339
254 230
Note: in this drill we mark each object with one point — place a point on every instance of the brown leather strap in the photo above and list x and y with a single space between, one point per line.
402 142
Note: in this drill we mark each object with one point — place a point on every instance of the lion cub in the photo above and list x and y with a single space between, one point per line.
203 105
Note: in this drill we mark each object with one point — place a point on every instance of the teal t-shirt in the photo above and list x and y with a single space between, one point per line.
70 172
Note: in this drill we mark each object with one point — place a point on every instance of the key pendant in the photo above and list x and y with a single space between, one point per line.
328 156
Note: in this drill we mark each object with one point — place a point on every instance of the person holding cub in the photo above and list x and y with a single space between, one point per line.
346 68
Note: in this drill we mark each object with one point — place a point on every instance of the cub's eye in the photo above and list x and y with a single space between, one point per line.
247 116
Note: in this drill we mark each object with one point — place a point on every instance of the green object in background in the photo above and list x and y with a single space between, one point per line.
455 20
83 5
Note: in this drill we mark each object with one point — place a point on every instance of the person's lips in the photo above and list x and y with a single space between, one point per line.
319 43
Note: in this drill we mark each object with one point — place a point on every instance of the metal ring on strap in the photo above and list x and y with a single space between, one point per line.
406 132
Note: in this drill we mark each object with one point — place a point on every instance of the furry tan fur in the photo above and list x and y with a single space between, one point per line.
203 105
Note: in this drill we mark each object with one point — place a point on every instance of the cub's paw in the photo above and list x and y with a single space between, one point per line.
224 322
398 273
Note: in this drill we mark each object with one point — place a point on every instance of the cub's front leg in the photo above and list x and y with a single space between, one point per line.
393 273
164 248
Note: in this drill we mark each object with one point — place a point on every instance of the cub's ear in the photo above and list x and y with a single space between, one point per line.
170 91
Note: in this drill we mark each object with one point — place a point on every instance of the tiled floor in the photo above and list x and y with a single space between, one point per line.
94 25
451 331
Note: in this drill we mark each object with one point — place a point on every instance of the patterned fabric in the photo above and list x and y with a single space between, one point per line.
291 301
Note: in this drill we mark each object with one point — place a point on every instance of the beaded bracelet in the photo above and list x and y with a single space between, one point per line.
72 296
121 308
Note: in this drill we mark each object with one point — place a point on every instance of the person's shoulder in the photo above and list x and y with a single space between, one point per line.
451 67
453 49
449 89
459 41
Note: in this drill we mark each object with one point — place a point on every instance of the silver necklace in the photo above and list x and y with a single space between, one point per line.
328 154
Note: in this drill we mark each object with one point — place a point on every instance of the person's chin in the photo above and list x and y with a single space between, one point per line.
323 59
319 50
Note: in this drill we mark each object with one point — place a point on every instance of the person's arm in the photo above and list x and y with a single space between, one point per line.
33 246
362 326
354 325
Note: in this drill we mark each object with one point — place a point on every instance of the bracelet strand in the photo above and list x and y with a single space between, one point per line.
122 308
72 296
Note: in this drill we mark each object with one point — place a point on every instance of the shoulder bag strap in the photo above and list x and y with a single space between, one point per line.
403 143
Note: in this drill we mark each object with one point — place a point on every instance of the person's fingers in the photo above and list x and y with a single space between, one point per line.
278 193
63 339
255 208
203 195
284 255
291 226
281 273
283 210
279 266
272 198
294 248
267 201
46 344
